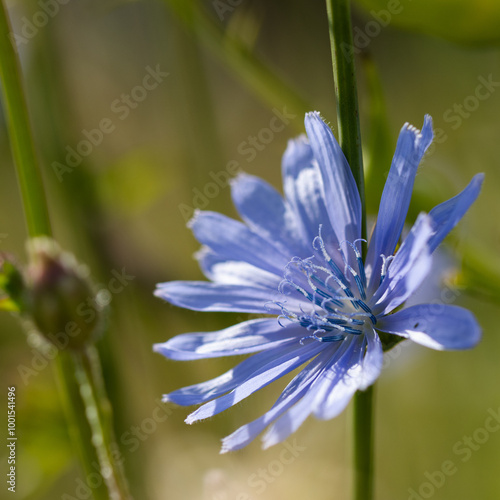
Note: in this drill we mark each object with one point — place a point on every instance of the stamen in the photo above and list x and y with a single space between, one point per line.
357 279
367 310
286 281
328 338
337 272
331 338
385 265
320 292
330 318
344 288
359 259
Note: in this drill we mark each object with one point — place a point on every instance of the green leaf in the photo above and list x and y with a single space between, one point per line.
461 21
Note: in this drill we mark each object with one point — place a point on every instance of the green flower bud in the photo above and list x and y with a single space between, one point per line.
58 293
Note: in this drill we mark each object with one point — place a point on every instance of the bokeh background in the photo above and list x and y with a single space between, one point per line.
124 206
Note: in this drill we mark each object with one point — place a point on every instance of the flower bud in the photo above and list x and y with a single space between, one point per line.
58 293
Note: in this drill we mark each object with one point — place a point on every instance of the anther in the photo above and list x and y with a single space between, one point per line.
385 265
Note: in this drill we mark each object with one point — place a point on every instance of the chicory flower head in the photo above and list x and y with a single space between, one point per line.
299 258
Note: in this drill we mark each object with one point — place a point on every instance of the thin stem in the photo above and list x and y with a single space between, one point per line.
339 20
98 411
79 431
21 140
363 444
344 75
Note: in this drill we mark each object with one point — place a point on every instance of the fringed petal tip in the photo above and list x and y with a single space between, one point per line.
162 291
158 291
301 140
166 399
226 447
426 132
241 176
313 116
190 420
190 223
202 253
157 348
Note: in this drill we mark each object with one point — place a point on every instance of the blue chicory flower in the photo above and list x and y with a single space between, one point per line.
298 257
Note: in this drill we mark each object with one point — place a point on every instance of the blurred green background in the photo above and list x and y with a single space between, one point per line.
120 209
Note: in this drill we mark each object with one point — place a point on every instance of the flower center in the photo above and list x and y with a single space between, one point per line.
337 299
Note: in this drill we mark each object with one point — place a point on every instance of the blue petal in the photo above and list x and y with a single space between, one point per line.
293 393
346 370
206 296
235 241
341 193
357 369
340 382
373 360
438 326
446 215
211 389
243 338
304 192
395 201
410 266
264 375
290 421
266 213
218 269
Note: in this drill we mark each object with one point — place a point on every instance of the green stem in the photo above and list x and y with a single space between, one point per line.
21 139
362 488
339 20
98 411
78 428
